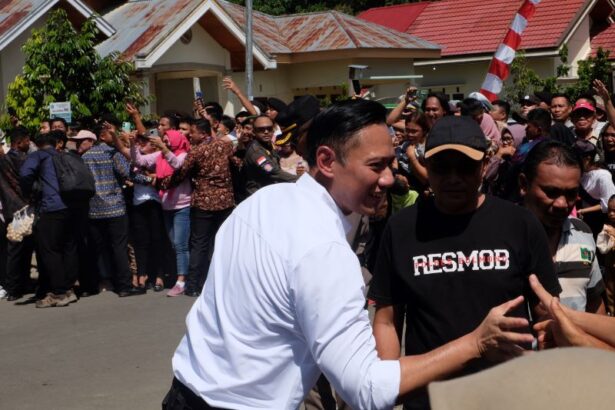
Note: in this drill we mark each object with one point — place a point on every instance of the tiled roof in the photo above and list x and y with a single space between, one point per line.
143 25
605 38
399 17
321 31
465 27
16 16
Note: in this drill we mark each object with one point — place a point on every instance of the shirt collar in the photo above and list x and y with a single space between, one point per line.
567 226
307 182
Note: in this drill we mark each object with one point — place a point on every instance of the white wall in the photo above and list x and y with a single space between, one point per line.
579 46
203 49
12 59
177 94
468 77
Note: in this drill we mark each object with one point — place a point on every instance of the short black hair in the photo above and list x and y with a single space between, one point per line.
336 126
58 119
228 122
111 119
471 107
241 114
505 105
550 152
441 98
49 138
203 125
213 106
18 134
187 120
173 118
541 118
215 115
561 95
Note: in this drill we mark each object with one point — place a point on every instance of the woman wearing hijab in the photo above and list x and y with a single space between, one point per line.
173 148
498 169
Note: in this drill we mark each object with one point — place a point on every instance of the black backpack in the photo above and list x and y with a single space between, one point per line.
75 180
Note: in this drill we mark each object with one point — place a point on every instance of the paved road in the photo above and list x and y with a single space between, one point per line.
102 352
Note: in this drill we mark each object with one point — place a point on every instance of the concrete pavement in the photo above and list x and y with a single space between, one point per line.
102 352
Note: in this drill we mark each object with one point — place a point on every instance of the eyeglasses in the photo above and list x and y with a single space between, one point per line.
263 129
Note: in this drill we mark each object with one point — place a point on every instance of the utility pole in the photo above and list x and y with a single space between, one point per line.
249 65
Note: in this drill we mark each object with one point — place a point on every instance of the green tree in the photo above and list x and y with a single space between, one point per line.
62 65
523 79
593 68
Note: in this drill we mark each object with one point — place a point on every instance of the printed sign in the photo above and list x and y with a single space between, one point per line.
61 110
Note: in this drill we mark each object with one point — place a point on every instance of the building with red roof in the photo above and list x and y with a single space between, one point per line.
173 41
469 32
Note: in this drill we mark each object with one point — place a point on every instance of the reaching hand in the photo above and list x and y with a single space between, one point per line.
132 110
229 84
157 142
558 329
601 90
411 94
495 338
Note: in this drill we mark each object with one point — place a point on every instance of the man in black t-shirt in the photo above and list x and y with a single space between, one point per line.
449 259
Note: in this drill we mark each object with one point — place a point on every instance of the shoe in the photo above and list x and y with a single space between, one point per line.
3 293
72 297
52 300
13 298
87 293
192 293
132 291
176 290
158 288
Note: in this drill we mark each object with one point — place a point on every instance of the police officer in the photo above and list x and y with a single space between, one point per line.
262 163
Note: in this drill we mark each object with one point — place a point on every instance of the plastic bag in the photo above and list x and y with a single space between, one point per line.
21 226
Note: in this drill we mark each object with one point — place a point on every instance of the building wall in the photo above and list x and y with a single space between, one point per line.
464 78
202 49
12 59
579 46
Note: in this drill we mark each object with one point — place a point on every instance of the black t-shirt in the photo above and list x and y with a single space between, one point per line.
450 270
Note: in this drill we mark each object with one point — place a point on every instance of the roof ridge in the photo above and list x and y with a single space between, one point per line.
352 38
394 6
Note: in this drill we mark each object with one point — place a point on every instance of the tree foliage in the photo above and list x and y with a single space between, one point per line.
278 7
62 65
524 80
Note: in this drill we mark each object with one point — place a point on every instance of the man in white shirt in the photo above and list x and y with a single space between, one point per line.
284 297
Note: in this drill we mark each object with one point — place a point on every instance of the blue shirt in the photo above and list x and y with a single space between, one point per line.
109 168
39 166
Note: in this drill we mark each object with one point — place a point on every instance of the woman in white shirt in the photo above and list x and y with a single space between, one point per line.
596 187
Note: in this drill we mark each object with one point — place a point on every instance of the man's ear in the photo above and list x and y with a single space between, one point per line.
325 157
523 184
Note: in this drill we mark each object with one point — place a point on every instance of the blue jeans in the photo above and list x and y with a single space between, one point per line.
177 223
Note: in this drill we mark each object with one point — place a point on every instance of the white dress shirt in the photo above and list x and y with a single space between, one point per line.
283 301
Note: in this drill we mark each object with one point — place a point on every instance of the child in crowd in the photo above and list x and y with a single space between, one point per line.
606 245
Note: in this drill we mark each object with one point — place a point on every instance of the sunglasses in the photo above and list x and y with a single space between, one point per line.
263 129
609 135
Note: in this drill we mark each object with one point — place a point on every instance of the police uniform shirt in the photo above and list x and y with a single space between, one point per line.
263 168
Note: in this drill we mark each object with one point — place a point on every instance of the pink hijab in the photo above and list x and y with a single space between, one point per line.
178 145
490 128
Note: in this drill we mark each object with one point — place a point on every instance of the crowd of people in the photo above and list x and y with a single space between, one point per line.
160 192
456 204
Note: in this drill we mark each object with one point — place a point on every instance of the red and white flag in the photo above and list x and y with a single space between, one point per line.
505 53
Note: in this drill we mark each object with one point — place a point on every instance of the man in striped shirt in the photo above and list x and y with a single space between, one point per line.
549 185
